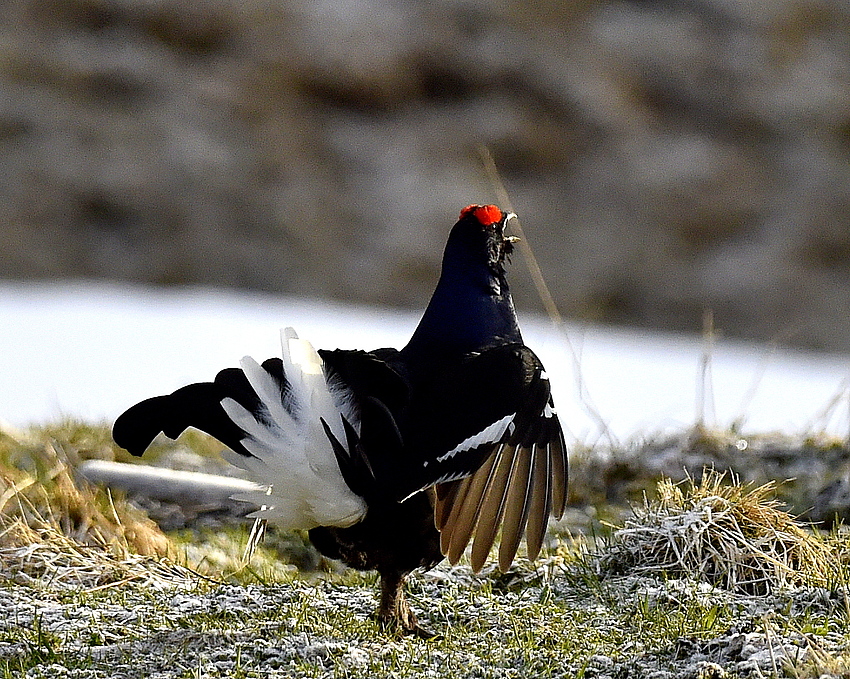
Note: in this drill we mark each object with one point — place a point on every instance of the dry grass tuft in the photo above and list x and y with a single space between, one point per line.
57 530
45 556
47 495
818 663
730 535
38 487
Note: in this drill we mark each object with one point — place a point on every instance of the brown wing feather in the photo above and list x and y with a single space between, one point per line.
516 509
450 510
464 515
492 508
541 501
445 496
560 476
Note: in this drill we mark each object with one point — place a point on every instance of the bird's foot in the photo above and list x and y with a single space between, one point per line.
403 623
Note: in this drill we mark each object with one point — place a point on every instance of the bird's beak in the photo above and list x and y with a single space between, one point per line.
508 217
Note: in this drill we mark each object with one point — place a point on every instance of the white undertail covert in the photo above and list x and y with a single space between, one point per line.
292 457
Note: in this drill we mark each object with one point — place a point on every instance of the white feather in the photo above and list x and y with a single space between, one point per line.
292 457
490 434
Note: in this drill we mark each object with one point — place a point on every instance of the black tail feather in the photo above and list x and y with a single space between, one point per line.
196 405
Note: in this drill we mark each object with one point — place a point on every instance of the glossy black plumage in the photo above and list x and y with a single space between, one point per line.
444 442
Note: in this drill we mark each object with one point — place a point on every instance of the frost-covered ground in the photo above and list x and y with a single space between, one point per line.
90 350
550 626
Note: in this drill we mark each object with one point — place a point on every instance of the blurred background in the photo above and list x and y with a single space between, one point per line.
666 157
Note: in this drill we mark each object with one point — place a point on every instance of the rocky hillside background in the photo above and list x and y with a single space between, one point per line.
665 157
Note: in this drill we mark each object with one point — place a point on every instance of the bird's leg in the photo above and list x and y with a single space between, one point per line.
394 611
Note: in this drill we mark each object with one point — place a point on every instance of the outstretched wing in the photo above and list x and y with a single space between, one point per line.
508 464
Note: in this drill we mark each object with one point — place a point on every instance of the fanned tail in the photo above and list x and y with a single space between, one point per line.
273 418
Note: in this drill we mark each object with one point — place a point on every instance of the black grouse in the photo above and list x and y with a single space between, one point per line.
393 459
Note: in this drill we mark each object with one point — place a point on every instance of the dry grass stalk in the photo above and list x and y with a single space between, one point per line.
730 535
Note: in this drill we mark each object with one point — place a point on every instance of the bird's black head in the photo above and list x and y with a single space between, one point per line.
471 309
480 235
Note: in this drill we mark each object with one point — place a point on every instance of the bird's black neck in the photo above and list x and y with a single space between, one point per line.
465 316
